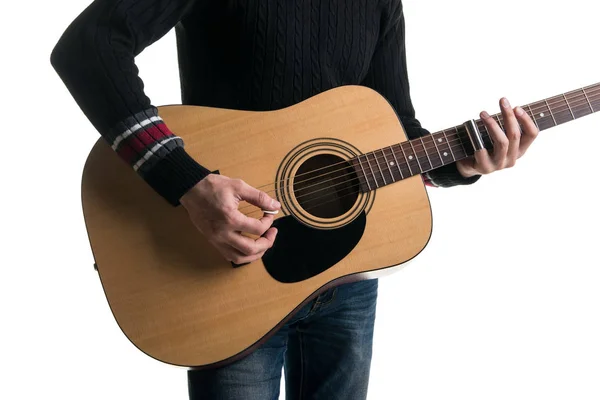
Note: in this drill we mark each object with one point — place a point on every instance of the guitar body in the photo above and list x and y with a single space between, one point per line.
176 298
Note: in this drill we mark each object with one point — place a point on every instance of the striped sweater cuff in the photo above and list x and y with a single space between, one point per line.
145 143
427 180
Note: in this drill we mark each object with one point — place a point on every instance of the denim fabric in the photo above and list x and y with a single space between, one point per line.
325 351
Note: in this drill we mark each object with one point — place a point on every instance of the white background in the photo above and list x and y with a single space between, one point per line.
502 304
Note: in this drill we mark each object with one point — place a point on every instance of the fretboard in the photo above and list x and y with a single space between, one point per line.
417 156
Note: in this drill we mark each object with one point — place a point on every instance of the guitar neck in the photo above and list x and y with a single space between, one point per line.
399 161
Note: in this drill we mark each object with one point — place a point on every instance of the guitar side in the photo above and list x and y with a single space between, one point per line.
171 292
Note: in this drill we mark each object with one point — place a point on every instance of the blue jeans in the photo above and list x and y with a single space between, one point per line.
325 350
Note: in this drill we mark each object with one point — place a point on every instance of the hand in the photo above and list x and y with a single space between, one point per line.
213 208
507 147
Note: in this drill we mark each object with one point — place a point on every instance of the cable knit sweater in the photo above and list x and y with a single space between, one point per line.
241 54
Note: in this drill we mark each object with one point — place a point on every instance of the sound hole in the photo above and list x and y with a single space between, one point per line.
326 186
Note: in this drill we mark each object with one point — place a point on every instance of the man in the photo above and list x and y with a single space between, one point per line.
258 55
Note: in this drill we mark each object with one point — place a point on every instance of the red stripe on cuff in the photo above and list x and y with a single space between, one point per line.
427 181
135 144
127 153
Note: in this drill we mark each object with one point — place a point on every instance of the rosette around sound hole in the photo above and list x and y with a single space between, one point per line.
318 185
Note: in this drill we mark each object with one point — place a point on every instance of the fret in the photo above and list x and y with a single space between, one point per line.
568 106
397 163
580 105
403 164
407 160
594 96
434 140
376 166
559 111
431 166
363 179
550 111
449 146
413 157
364 173
416 156
499 120
371 168
388 154
542 115
445 149
460 141
423 163
379 166
489 143
588 100
533 116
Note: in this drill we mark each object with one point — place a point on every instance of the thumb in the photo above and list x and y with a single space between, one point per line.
258 198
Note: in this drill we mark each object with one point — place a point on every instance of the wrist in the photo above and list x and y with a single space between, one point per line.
175 175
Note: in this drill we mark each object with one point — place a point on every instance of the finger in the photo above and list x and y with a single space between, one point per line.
248 246
244 223
234 255
256 197
483 162
467 165
530 130
270 235
513 133
500 144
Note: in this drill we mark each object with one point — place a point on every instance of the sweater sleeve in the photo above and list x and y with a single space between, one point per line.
388 76
95 59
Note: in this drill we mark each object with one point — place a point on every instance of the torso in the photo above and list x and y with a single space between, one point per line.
269 54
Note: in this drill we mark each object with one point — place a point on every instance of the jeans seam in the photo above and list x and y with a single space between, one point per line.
331 299
313 309
301 385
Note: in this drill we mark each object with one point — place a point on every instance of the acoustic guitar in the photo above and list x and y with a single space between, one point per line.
354 206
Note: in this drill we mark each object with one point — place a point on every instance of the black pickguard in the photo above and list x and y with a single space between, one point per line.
301 252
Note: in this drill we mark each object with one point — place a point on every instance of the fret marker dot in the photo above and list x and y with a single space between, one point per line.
392 163
410 157
541 114
440 140
445 154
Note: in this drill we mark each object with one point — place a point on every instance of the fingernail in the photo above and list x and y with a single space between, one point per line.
519 111
275 203
505 103
484 114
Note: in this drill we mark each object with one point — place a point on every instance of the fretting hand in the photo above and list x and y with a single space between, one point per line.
508 148
213 208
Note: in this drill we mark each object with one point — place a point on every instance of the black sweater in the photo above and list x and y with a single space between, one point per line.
240 54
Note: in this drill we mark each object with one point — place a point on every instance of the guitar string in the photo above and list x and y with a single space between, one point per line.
583 102
367 176
322 196
382 176
425 147
334 195
563 95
